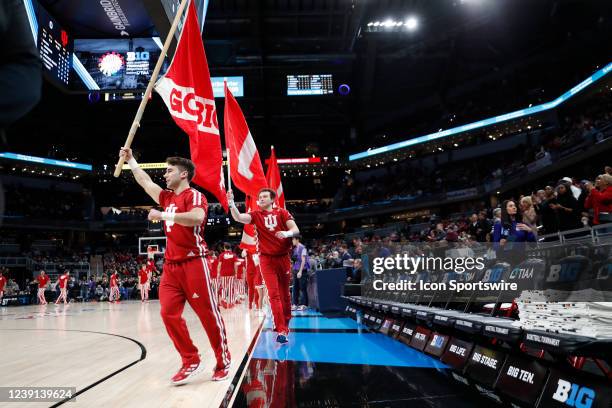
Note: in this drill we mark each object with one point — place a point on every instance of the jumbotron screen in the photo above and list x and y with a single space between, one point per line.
310 85
55 47
119 64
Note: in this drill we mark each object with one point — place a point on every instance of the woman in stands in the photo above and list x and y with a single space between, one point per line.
511 228
600 199
529 216
566 208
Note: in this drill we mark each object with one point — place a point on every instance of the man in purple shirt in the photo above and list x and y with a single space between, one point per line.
299 298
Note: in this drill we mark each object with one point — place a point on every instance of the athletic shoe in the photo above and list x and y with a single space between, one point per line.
187 373
293 307
282 338
221 374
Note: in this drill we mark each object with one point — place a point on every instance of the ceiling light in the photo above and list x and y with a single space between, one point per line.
411 23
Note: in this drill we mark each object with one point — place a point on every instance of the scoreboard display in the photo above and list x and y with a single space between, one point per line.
309 85
55 46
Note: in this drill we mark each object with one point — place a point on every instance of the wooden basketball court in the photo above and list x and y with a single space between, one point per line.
114 354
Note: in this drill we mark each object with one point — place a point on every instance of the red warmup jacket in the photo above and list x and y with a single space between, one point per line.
599 201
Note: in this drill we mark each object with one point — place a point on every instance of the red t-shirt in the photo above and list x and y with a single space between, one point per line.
2 283
151 266
113 280
212 267
144 276
267 224
227 259
42 281
241 267
62 281
183 242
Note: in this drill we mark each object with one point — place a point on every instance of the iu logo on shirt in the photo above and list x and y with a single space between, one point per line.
270 222
171 209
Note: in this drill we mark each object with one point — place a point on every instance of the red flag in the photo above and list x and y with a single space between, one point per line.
245 166
188 94
274 179
249 236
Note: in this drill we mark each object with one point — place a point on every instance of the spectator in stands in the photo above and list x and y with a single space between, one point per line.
479 227
600 199
608 170
565 206
100 294
496 215
584 193
355 272
333 260
547 214
12 288
511 227
358 251
473 227
572 186
345 256
438 234
529 214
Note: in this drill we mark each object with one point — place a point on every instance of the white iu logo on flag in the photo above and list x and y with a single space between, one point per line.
171 209
270 222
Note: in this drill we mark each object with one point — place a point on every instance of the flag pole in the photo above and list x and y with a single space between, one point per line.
227 150
147 94
229 170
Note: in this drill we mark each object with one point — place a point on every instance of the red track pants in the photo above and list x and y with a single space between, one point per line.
190 281
276 272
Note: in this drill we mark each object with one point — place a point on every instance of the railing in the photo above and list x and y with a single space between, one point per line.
576 235
602 233
14 262
53 268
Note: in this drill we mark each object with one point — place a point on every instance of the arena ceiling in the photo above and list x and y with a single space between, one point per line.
394 75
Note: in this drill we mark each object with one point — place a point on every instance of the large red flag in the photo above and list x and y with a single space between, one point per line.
274 179
188 94
245 166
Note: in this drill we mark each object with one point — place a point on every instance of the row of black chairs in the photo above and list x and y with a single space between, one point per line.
461 328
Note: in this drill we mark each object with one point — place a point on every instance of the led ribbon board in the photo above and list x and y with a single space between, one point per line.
487 122
42 160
